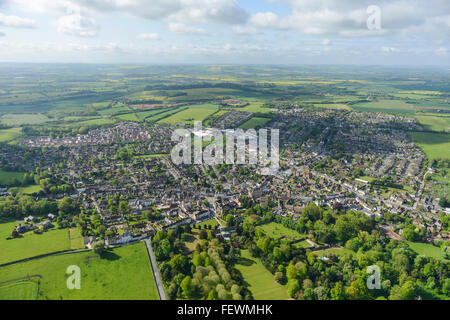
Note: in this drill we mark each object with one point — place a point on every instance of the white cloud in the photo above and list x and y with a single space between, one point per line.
16 22
389 49
2 34
216 11
77 25
181 28
245 30
149 36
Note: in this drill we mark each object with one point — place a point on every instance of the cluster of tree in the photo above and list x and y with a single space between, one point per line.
404 274
207 274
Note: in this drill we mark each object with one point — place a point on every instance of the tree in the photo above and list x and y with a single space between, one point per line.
337 293
100 249
293 287
187 287
404 292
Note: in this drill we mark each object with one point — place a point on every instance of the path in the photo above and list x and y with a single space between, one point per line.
159 285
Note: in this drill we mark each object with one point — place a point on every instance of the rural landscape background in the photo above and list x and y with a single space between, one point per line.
92 92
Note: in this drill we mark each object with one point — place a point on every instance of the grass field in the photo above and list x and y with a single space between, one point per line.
426 249
261 282
277 231
7 177
193 113
213 223
338 106
10 134
254 122
31 244
22 290
434 123
128 117
27 118
435 145
389 106
26 190
124 274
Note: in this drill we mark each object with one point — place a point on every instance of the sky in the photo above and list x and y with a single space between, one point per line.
375 32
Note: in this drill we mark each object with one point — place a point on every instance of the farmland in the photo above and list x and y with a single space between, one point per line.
193 113
124 273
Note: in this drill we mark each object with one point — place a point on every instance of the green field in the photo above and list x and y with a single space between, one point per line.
213 223
193 113
389 106
254 122
435 145
10 134
123 274
435 123
128 117
7 177
338 106
31 244
21 290
426 249
19 119
261 282
277 231
26 190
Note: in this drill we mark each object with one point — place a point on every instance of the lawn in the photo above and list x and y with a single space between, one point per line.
10 134
123 274
435 145
277 231
426 249
193 113
213 223
6 177
254 122
261 282
31 244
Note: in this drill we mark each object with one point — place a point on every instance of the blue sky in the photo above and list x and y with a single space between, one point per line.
411 32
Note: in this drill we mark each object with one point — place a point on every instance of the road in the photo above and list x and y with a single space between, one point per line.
159 285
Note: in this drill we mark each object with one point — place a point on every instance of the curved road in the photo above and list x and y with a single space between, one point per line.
159 285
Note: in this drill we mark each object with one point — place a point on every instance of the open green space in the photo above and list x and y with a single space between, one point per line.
21 290
277 231
24 118
10 134
26 190
388 106
193 113
427 250
435 123
435 145
261 282
7 177
123 274
254 122
31 244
